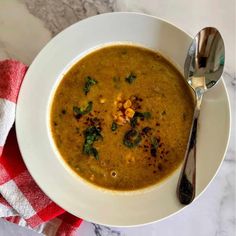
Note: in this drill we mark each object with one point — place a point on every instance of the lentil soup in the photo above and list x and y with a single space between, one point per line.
121 116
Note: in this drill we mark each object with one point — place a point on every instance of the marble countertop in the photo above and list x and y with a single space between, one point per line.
27 25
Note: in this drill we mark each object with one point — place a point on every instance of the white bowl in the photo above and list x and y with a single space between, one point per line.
41 157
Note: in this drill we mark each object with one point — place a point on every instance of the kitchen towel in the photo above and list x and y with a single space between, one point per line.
21 200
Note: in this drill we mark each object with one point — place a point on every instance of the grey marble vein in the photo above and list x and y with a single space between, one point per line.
105 231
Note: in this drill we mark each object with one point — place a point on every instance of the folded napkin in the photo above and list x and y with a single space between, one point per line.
21 200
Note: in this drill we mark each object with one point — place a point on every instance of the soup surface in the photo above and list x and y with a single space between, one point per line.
121 117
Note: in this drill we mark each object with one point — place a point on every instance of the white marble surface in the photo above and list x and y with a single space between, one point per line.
27 25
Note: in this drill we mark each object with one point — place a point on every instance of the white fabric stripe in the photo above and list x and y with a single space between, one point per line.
6 211
7 117
16 198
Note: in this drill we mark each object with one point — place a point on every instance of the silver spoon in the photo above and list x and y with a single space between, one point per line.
203 68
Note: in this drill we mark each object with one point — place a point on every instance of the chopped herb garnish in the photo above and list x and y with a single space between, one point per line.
132 138
134 120
91 134
142 116
94 152
130 79
78 111
114 126
155 142
154 146
88 84
147 115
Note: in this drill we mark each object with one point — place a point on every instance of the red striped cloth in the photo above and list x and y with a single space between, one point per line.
21 200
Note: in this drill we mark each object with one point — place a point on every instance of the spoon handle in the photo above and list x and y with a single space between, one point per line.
186 185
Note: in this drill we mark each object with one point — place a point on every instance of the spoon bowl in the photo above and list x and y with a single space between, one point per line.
205 58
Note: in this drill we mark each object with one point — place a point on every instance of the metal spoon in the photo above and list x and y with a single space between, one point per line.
203 68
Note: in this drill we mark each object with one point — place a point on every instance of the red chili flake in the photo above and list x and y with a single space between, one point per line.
153 152
146 130
63 111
